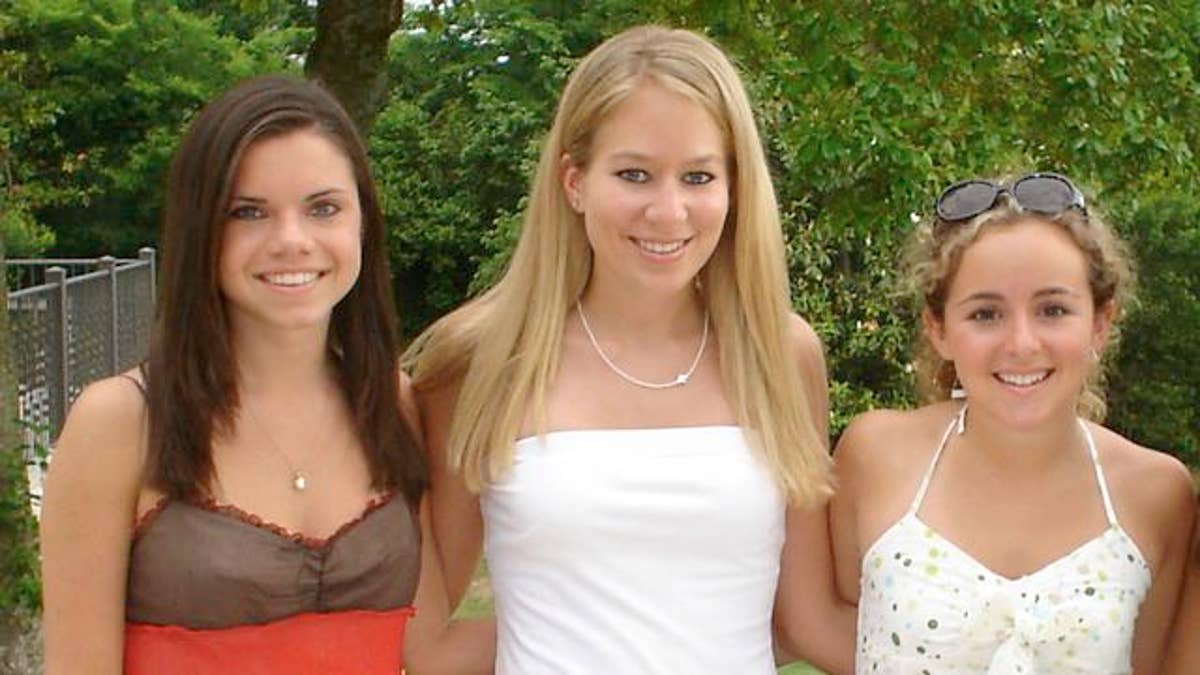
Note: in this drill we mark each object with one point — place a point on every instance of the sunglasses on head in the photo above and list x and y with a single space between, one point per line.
1046 193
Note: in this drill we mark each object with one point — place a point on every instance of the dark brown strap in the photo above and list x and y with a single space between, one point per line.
140 385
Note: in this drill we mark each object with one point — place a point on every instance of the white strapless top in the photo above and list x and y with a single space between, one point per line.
634 551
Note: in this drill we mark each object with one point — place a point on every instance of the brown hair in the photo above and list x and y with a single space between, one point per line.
191 379
936 248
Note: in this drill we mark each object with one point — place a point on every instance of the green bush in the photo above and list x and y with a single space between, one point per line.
1154 391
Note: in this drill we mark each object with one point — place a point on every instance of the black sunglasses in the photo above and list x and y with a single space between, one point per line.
1045 193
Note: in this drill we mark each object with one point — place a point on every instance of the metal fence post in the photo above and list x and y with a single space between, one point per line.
147 254
109 264
56 374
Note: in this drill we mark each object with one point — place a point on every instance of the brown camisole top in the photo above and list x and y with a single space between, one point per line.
205 566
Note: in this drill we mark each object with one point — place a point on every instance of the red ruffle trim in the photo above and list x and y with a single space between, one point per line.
355 642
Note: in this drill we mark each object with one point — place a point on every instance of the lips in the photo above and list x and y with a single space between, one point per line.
660 247
1023 379
290 279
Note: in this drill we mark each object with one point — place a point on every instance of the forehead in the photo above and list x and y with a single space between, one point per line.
655 121
302 155
1020 259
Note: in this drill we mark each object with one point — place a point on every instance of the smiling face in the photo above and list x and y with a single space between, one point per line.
1019 323
291 242
654 195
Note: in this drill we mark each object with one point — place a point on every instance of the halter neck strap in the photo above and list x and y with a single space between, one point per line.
956 423
1109 511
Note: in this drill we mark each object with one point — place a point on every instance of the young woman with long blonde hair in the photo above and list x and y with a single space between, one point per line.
632 421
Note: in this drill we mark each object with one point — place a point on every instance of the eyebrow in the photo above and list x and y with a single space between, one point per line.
1053 291
633 155
316 195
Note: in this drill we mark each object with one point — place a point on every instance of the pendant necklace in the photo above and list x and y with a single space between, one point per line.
299 478
680 379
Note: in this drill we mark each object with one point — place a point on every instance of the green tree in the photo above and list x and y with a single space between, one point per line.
100 90
867 111
1155 388
19 587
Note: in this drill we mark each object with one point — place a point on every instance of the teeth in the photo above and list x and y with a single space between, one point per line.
290 278
1023 380
661 247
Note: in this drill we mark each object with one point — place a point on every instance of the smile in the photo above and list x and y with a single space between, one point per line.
660 247
1023 379
290 279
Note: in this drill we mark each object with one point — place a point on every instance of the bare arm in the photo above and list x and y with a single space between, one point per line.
86 528
811 621
1183 651
1174 513
433 643
457 524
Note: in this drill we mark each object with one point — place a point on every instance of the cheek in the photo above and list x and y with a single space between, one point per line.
716 205
231 257
350 245
963 345
1075 345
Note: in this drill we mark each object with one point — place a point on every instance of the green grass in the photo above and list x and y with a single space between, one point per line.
478 602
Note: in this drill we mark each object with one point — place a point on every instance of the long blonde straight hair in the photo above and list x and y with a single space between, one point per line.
503 347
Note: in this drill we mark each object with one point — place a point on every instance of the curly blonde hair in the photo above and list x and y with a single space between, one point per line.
934 253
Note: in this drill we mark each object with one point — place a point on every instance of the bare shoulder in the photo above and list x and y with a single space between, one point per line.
103 442
885 445
409 410
805 340
1148 484
434 401
111 409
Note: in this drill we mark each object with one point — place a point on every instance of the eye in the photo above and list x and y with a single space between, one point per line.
984 314
246 212
633 175
698 177
1056 310
325 209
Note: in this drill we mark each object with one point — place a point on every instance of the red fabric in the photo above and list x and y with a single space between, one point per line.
356 642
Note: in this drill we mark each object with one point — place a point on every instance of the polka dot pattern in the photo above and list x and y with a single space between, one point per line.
929 607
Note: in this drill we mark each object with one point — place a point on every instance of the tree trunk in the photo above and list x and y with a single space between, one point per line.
349 53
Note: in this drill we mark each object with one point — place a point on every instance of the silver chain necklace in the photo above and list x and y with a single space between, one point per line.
680 379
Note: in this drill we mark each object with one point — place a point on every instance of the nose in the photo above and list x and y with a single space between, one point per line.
668 204
290 235
1022 336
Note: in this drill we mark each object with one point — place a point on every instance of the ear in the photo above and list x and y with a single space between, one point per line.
935 331
572 181
1102 325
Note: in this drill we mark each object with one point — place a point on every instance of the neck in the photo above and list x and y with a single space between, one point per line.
679 316
289 362
1020 451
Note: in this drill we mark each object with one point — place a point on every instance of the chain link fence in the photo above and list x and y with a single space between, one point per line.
72 322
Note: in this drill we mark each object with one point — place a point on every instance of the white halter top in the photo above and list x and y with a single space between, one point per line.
648 551
927 606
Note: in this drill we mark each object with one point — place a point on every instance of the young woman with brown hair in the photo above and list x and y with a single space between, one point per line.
251 500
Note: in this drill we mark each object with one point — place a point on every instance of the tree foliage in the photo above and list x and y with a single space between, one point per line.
97 94
867 110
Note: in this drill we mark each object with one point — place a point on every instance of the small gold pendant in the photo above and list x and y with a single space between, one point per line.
299 482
